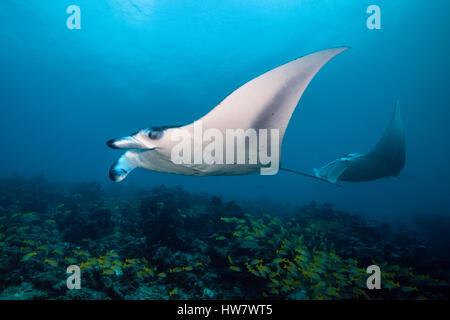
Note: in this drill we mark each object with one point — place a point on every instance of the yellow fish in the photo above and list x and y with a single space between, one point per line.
235 268
256 261
30 214
118 262
331 291
237 234
275 291
108 272
70 260
51 262
78 252
28 256
171 293
275 282
277 260
131 261
112 254
148 271
116 267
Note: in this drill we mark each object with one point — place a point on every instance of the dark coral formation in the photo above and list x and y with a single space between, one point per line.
166 243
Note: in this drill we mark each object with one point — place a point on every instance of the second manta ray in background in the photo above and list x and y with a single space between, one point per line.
264 103
385 160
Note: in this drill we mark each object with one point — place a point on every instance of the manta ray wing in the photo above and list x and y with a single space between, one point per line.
391 146
268 101
385 160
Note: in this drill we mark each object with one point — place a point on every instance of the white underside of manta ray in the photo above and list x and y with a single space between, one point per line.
266 102
385 160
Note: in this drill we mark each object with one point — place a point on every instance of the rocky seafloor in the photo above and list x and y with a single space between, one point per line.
165 243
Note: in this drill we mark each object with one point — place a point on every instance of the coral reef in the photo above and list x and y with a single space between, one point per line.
166 243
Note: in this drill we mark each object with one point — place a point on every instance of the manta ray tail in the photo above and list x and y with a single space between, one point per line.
122 167
310 176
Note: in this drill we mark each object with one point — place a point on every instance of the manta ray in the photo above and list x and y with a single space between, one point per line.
264 103
387 159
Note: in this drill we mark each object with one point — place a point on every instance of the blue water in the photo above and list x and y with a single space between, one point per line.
137 64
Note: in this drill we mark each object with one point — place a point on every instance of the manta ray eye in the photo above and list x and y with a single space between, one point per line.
155 134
